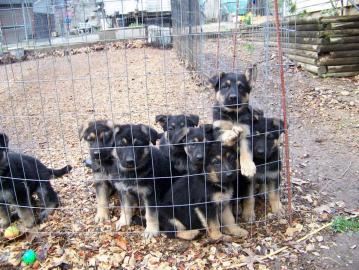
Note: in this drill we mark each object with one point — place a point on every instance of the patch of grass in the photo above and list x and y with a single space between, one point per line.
341 224
249 47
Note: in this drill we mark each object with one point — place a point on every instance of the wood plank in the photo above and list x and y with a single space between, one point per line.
347 18
343 68
343 40
337 47
304 53
302 59
312 68
330 61
342 54
340 74
343 25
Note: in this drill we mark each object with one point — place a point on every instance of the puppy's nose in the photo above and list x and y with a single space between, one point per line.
96 154
199 157
232 97
260 151
130 162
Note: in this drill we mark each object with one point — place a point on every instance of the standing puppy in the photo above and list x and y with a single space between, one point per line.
21 177
100 137
232 115
143 174
267 158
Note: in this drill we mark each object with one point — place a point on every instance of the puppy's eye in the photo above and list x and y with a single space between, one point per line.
216 161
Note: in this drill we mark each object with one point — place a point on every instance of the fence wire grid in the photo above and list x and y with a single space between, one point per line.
65 64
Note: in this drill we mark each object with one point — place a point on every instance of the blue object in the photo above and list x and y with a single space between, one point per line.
29 257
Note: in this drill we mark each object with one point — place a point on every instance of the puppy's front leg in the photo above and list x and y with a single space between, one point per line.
102 198
126 210
230 223
227 132
248 167
152 223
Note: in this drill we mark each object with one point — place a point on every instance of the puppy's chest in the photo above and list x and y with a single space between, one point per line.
221 194
267 173
124 186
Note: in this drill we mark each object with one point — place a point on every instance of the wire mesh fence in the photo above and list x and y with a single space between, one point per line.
66 65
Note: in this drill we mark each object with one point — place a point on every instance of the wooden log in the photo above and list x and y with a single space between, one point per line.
334 61
307 47
312 68
344 68
343 25
308 27
304 40
337 33
300 20
340 74
348 18
302 59
307 34
343 40
304 53
342 54
337 47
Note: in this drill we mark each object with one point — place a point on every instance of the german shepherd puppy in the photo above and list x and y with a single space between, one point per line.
232 114
174 122
186 148
267 158
22 176
202 200
100 137
143 174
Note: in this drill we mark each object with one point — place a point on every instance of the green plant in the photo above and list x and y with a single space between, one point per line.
249 47
341 224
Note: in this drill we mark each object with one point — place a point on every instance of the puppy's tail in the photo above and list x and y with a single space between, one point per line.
60 172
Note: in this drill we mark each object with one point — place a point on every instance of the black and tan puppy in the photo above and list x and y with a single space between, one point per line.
143 174
100 137
186 148
202 200
174 122
21 177
232 114
267 158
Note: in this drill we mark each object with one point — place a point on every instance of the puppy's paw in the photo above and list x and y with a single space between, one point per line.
101 216
248 167
229 137
150 232
4 222
237 130
123 221
249 216
278 209
236 230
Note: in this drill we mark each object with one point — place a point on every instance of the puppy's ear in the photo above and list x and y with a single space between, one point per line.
257 114
178 136
192 119
162 120
82 131
278 124
4 140
215 80
150 133
251 75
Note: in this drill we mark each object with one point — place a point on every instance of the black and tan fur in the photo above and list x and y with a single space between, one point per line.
266 155
100 137
232 114
185 148
21 177
202 200
143 174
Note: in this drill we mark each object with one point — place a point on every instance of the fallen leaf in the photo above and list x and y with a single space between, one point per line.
310 247
292 230
121 242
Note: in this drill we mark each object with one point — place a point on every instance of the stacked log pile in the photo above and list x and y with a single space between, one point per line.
326 46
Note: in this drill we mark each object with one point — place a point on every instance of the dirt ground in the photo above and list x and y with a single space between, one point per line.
45 101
